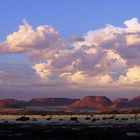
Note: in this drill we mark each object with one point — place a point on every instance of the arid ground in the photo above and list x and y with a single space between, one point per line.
70 127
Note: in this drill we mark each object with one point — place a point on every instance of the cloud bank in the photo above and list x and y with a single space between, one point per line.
107 57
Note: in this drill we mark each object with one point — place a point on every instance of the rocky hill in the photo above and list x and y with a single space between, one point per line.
93 102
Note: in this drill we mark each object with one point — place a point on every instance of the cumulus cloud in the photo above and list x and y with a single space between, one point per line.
27 39
42 70
103 56
133 24
132 76
107 56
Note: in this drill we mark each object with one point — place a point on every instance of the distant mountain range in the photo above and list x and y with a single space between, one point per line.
99 103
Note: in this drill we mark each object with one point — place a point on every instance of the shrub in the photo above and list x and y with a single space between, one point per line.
34 119
60 119
48 119
5 121
104 118
112 117
77 121
87 118
126 119
73 118
43 114
23 118
123 119
94 120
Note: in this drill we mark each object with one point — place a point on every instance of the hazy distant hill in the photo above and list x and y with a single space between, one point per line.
50 102
124 102
121 102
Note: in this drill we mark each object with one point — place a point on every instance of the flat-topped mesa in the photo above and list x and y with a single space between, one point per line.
93 102
12 103
51 101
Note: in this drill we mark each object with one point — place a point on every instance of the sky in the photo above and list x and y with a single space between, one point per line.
69 48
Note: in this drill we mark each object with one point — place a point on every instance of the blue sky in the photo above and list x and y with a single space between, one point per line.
31 62
67 16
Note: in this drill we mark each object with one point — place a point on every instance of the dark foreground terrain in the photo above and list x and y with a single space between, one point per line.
68 132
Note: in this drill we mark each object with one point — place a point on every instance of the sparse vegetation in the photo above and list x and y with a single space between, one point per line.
84 118
69 132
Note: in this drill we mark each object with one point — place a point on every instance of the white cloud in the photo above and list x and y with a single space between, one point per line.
105 56
42 70
132 24
132 76
27 39
102 57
